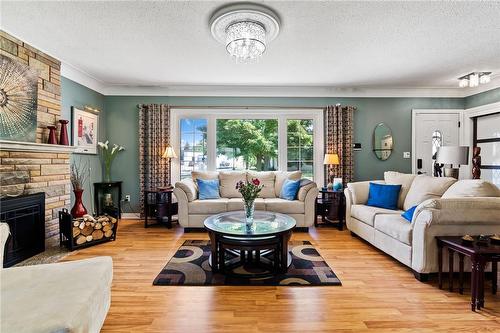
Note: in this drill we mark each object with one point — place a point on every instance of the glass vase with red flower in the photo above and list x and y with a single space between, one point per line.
249 191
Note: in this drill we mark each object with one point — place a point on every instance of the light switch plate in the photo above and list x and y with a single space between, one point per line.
406 154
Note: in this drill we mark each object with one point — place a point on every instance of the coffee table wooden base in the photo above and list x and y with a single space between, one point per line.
268 253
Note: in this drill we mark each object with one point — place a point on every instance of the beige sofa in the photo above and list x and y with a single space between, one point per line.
193 212
64 297
445 208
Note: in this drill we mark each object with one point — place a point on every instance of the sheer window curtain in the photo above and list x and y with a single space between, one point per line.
339 139
154 137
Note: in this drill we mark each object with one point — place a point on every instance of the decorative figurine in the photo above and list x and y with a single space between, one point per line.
476 163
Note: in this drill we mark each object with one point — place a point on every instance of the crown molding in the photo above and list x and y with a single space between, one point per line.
73 73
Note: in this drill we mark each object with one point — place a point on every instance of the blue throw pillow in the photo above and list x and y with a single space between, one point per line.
383 196
208 189
290 189
409 213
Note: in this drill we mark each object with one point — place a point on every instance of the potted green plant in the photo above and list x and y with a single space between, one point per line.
249 191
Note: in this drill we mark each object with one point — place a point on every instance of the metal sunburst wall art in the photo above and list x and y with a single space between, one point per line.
18 101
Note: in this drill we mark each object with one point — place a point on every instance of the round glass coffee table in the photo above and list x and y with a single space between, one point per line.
235 246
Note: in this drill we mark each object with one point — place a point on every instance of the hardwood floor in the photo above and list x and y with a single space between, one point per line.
378 294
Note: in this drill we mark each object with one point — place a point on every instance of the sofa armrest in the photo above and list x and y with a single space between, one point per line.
358 191
310 206
304 190
189 188
466 211
449 217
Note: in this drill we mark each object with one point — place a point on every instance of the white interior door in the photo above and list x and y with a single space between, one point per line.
433 130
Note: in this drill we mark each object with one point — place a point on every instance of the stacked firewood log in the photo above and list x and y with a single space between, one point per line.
89 228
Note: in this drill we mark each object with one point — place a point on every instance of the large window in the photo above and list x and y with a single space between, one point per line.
193 146
247 144
261 140
300 152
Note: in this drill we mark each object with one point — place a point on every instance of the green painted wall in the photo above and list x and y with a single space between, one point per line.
74 94
487 97
121 119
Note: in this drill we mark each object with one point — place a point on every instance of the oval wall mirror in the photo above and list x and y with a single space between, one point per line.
382 141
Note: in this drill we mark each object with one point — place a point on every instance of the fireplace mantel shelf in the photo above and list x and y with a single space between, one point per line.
34 147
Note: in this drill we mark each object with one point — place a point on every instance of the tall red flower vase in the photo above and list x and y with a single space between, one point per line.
63 139
78 209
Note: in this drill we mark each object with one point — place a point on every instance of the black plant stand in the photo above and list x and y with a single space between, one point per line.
108 198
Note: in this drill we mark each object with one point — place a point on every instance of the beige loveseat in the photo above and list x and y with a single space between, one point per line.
193 212
71 297
446 207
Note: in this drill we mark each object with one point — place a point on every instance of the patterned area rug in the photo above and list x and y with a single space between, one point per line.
189 266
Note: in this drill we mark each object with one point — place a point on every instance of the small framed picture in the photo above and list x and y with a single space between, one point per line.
85 127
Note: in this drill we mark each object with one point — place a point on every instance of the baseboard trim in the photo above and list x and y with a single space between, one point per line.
131 216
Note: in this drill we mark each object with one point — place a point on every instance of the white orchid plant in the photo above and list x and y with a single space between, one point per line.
108 155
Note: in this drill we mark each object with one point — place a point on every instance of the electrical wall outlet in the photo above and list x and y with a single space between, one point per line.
127 197
406 154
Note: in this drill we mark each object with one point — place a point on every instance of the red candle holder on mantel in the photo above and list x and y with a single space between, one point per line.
52 135
63 139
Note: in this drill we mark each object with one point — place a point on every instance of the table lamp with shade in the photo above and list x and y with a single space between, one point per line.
454 156
169 153
331 159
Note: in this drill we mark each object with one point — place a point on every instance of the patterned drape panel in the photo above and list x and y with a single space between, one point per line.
154 136
339 139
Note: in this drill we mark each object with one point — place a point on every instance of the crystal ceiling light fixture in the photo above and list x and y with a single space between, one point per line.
474 79
245 30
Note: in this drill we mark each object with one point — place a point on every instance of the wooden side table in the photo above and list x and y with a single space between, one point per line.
480 254
331 207
158 204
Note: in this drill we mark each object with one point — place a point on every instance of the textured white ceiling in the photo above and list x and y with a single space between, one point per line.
322 43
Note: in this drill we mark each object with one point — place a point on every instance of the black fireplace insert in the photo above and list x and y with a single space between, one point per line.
26 218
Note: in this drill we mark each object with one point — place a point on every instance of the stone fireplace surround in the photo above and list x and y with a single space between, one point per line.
29 167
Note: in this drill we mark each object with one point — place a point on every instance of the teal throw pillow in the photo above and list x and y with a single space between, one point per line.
290 189
208 189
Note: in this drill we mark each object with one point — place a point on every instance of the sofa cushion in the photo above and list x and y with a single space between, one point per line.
472 188
228 182
284 206
394 225
426 187
267 179
403 179
209 206
203 175
281 176
237 204
366 214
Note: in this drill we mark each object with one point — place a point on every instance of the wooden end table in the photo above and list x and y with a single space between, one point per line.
480 254
331 207
158 204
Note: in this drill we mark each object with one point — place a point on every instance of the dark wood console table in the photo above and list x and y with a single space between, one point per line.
480 254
